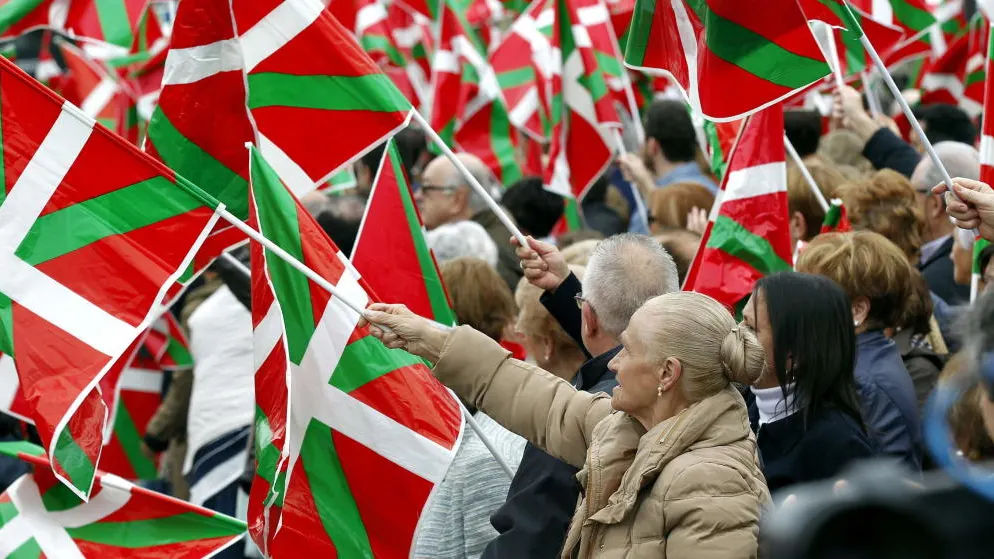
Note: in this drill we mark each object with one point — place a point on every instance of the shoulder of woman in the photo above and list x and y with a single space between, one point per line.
697 474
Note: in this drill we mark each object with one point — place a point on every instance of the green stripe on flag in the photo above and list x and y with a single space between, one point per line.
440 309
379 43
978 246
639 31
754 53
571 213
28 550
130 439
7 512
74 461
501 143
136 534
15 10
116 213
374 92
911 16
6 325
728 236
332 496
278 221
198 166
974 77
267 455
15 448
179 354
516 78
59 498
366 360
114 22
609 64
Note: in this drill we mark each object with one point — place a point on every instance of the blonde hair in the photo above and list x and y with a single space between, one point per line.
864 264
579 253
535 321
480 298
669 206
886 203
700 333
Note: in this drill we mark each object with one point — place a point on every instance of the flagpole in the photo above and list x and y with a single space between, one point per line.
871 97
475 184
806 174
471 421
236 263
640 208
837 67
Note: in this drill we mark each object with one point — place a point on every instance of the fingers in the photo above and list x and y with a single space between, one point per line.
940 188
541 247
973 192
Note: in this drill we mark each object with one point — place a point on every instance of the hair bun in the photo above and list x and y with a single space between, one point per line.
742 357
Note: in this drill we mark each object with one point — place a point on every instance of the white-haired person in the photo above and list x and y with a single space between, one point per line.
669 467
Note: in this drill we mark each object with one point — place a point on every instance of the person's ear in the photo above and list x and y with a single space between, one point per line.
652 147
860 310
669 373
798 227
460 198
589 321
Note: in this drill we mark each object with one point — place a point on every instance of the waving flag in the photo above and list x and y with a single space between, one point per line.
391 253
942 79
110 22
987 126
345 431
850 23
134 226
40 518
18 16
90 86
704 45
747 236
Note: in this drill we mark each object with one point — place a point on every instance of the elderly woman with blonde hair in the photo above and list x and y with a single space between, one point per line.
544 339
668 462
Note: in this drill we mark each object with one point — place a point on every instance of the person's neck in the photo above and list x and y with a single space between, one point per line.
937 229
600 345
663 409
663 167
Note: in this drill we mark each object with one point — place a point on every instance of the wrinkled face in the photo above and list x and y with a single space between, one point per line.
436 198
756 316
638 379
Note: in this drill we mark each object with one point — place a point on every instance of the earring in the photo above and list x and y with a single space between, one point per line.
659 391
855 323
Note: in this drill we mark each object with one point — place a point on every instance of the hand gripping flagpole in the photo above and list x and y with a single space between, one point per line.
327 286
806 174
473 183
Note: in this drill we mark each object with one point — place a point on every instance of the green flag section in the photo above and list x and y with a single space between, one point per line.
391 253
90 86
468 110
836 218
850 24
339 182
334 429
748 235
111 21
41 518
706 45
18 16
76 197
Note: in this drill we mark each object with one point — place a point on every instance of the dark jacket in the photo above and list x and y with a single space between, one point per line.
543 494
938 273
923 365
789 454
507 261
886 150
887 395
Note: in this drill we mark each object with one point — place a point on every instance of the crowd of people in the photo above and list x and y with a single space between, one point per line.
640 420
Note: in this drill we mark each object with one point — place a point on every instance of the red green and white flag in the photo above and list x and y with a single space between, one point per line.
849 24
748 234
976 71
836 218
523 64
344 431
721 137
391 253
729 58
12 401
942 79
987 125
583 111
913 17
41 518
77 197
468 111
113 22
90 86
18 16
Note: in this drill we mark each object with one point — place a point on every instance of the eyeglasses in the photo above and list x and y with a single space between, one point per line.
579 300
426 188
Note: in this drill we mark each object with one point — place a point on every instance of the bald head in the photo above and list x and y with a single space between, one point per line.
960 160
623 273
446 196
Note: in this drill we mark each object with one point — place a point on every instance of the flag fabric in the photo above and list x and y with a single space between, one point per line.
987 124
748 234
974 81
41 518
12 401
704 45
523 64
18 16
977 274
90 86
391 253
836 218
720 136
134 226
942 79
291 91
345 430
468 111
110 22
582 109
849 25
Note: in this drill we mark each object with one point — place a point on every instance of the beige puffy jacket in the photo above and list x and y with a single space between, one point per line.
688 488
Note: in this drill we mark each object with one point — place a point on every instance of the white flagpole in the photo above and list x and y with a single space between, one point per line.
806 174
471 421
640 208
475 184
871 96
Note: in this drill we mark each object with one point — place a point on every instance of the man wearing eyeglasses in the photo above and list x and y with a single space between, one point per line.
445 197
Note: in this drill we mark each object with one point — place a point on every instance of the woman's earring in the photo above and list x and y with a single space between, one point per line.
659 391
855 323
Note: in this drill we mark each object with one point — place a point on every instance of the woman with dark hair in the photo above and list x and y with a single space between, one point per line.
810 425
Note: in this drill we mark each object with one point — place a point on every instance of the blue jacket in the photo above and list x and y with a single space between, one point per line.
540 503
887 395
688 172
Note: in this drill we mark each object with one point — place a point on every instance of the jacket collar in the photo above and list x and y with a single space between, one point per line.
715 421
935 249
594 370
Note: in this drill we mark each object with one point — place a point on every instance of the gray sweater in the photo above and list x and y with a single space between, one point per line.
456 521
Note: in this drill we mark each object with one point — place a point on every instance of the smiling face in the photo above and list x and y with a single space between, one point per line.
638 378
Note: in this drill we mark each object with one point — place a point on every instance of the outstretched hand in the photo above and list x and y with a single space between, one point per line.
974 208
399 328
542 263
